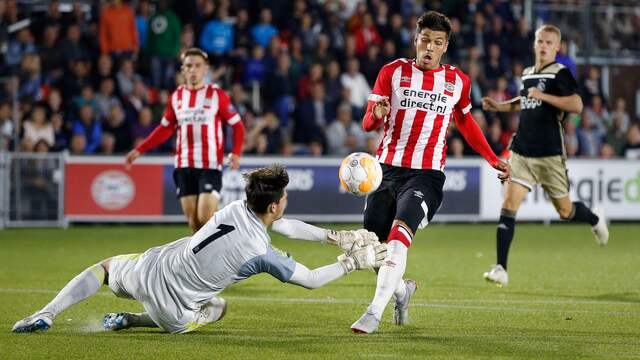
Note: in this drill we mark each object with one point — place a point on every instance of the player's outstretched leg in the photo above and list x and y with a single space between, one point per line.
401 308
389 275
79 288
124 320
504 236
579 212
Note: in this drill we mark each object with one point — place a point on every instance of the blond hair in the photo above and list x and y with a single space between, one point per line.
549 28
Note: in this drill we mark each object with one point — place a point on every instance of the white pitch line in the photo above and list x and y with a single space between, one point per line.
445 304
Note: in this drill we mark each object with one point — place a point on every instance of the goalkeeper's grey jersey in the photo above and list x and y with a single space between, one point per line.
231 246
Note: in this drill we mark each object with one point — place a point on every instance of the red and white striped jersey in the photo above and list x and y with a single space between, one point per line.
197 115
422 104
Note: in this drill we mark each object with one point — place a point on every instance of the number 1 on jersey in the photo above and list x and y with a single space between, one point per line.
224 230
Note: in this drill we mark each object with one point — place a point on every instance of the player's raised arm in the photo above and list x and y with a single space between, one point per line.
378 103
472 132
511 105
347 240
159 135
232 118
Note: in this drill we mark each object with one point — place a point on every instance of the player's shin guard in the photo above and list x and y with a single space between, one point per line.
504 235
390 274
79 288
581 213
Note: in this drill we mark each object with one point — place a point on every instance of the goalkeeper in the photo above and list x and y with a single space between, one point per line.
179 283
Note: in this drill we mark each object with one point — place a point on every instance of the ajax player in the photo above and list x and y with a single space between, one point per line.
178 284
197 111
537 149
414 100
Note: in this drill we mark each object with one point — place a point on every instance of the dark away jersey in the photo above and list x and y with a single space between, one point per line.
540 131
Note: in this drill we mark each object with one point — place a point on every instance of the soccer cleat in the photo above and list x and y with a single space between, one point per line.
401 309
367 324
33 323
115 321
497 275
600 230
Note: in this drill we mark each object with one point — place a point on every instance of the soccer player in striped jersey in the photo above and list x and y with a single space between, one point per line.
197 112
414 101
179 283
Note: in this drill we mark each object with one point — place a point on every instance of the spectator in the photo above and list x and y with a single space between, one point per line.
72 83
307 33
620 111
54 102
358 86
255 67
134 103
242 34
616 136
333 85
116 126
22 44
52 55
86 97
143 126
606 151
322 52
591 85
126 77
78 144
279 90
366 35
6 126
372 63
106 99
398 35
632 148
108 144
89 128
570 139
264 31
495 65
60 132
565 59
72 46
343 135
142 22
240 99
589 137
494 136
304 84
30 78
37 128
217 36
104 70
311 116
163 45
269 140
118 34
598 114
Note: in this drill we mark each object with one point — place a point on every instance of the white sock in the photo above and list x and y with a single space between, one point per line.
389 276
79 288
401 290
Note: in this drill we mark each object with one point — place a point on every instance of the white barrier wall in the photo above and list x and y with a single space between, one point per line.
613 185
103 190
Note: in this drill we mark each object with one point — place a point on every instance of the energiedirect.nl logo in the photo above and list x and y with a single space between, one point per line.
113 190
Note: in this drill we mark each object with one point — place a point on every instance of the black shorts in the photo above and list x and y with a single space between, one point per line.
191 181
410 195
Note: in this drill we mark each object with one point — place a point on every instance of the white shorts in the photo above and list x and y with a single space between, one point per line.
135 276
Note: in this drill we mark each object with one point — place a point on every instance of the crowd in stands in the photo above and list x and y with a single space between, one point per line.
96 79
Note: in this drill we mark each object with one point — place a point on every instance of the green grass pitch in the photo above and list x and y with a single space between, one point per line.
567 299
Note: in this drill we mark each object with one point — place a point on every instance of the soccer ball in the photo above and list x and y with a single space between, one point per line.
360 173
